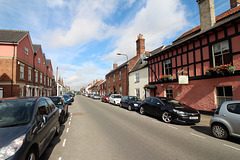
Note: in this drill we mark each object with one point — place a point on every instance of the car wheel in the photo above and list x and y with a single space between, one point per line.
219 131
114 103
31 155
166 117
141 111
120 105
129 107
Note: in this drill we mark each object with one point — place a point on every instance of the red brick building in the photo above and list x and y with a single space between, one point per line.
197 56
117 79
102 88
24 70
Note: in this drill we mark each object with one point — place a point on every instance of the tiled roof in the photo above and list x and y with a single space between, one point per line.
36 47
138 65
12 36
218 18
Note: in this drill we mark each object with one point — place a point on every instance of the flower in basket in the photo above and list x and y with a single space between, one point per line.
166 77
222 69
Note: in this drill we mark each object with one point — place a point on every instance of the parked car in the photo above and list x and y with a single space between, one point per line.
67 98
27 126
226 120
71 97
170 110
96 96
62 106
115 99
105 98
130 102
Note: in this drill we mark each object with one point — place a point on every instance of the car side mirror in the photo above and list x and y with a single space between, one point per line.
44 119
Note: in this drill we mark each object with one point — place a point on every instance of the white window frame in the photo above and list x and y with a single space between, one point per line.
137 78
221 52
29 74
41 75
26 50
39 60
167 92
21 92
113 77
167 67
120 89
137 92
21 76
36 76
120 75
221 99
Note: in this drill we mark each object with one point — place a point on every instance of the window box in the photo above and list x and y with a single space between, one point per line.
166 78
221 70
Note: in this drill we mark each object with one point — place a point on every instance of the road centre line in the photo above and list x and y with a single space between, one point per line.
231 147
67 130
69 123
64 142
60 158
172 127
197 135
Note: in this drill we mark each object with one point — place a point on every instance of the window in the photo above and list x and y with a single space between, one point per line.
156 101
234 108
169 92
109 79
120 75
36 76
47 81
21 71
137 92
21 92
223 94
120 89
39 60
40 77
167 67
221 53
29 74
109 91
137 77
26 51
44 80
114 78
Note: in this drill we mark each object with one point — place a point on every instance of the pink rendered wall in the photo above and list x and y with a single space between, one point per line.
200 94
6 50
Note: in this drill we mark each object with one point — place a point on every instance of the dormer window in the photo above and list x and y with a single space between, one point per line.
26 50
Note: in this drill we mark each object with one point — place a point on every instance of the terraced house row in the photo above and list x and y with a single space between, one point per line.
24 69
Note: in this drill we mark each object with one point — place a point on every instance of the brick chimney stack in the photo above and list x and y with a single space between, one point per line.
114 65
207 13
140 43
234 3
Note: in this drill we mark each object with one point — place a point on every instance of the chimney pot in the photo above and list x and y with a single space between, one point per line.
114 65
140 45
234 3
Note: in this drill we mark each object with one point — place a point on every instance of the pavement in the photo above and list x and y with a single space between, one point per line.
205 119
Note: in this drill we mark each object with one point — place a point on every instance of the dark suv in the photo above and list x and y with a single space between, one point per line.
27 126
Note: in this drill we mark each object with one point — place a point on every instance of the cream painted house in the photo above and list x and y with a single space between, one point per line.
138 78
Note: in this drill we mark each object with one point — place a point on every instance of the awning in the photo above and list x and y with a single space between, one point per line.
150 86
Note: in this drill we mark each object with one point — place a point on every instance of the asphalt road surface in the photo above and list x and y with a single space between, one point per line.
100 131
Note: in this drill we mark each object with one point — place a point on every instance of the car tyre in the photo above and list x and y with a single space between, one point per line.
129 107
219 131
57 129
120 105
166 117
141 111
31 155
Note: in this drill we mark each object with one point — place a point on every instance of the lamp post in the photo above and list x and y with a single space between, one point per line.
119 54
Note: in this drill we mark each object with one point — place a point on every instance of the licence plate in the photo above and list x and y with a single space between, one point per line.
193 117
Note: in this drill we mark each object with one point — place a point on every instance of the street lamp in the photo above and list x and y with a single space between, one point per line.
123 55
119 54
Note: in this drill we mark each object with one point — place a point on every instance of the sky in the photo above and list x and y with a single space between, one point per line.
82 37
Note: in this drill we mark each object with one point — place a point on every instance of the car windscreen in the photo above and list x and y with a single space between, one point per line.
117 96
171 101
15 112
56 100
132 98
107 95
66 96
96 94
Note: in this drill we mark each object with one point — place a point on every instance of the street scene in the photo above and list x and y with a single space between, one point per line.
120 79
99 130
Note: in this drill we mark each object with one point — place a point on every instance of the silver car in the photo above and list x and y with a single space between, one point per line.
226 120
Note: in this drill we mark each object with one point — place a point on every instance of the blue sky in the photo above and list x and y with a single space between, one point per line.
82 37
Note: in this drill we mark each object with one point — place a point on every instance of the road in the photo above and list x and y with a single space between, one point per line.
100 131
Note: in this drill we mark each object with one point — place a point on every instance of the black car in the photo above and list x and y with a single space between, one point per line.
62 106
27 126
130 102
170 110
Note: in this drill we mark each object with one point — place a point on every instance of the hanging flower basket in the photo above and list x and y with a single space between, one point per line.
226 69
166 78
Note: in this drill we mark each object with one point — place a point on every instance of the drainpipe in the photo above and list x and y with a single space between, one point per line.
12 69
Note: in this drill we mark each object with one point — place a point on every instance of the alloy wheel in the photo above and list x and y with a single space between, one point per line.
141 111
166 117
129 107
219 131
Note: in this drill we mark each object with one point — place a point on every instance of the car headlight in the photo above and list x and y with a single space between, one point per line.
178 112
136 105
12 148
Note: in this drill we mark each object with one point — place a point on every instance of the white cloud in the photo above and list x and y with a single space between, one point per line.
54 3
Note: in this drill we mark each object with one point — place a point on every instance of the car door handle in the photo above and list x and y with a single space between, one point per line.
224 115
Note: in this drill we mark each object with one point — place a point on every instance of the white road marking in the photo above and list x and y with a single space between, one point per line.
69 123
67 130
172 127
70 119
231 147
60 158
64 142
197 135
